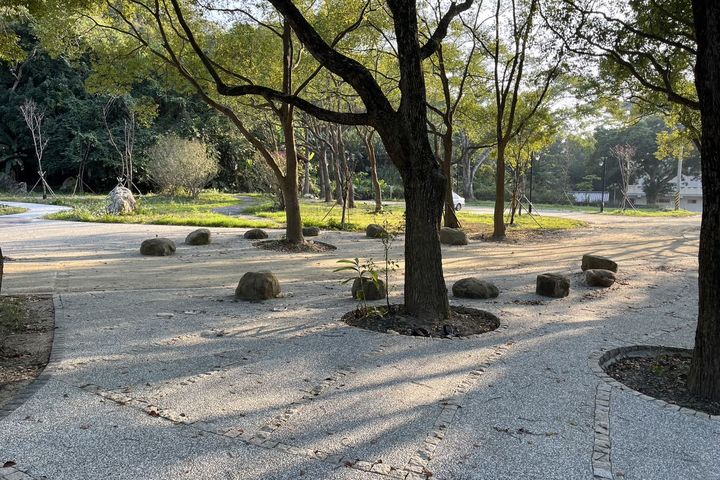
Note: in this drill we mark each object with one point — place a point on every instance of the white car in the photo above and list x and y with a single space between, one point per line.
458 201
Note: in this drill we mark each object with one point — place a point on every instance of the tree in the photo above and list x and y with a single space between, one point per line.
34 118
704 378
451 66
403 132
520 82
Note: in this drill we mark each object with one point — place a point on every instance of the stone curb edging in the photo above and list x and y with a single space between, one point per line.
14 473
598 361
601 456
56 352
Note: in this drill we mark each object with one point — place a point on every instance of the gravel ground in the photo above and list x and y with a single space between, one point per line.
282 389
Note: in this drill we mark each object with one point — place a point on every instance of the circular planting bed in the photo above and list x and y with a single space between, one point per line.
284 246
463 322
658 372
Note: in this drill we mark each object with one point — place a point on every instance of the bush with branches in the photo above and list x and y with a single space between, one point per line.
180 166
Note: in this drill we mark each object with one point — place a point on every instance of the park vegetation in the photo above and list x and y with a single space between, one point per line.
403 98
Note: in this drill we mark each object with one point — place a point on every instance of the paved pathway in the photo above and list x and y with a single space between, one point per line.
157 373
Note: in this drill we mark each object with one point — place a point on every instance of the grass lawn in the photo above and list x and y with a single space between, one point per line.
652 213
325 215
5 210
161 210
154 209
640 212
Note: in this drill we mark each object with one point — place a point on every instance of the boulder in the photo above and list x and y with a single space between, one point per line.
68 185
370 291
599 278
552 285
157 247
122 201
596 262
201 236
374 230
453 236
474 288
9 185
256 286
255 234
311 231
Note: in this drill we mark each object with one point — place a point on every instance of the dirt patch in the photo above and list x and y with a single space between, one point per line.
26 333
309 246
662 376
463 321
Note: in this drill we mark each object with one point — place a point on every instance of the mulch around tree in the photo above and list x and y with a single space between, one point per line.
662 376
309 246
26 334
463 322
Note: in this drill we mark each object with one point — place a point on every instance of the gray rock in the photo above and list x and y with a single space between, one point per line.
122 201
201 236
552 285
311 231
370 291
375 231
157 247
255 234
474 288
453 236
68 185
596 262
599 278
258 286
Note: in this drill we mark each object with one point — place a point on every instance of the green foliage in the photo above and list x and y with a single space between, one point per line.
362 271
161 210
178 165
6 210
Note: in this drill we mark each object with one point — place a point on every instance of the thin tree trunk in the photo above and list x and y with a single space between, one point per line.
499 214
325 176
450 217
373 170
2 267
306 178
704 378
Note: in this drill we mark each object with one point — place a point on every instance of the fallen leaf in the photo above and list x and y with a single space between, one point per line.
9 464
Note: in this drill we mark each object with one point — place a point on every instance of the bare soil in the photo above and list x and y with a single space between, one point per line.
663 376
26 333
463 322
309 246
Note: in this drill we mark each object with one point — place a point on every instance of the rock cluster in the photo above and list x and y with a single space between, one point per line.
368 289
453 236
256 286
157 247
201 236
122 201
552 285
474 288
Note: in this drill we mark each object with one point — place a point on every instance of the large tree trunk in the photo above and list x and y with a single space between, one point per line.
289 184
373 170
499 214
704 378
293 219
425 290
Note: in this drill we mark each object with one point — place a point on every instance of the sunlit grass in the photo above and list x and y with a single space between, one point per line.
652 213
5 210
160 210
